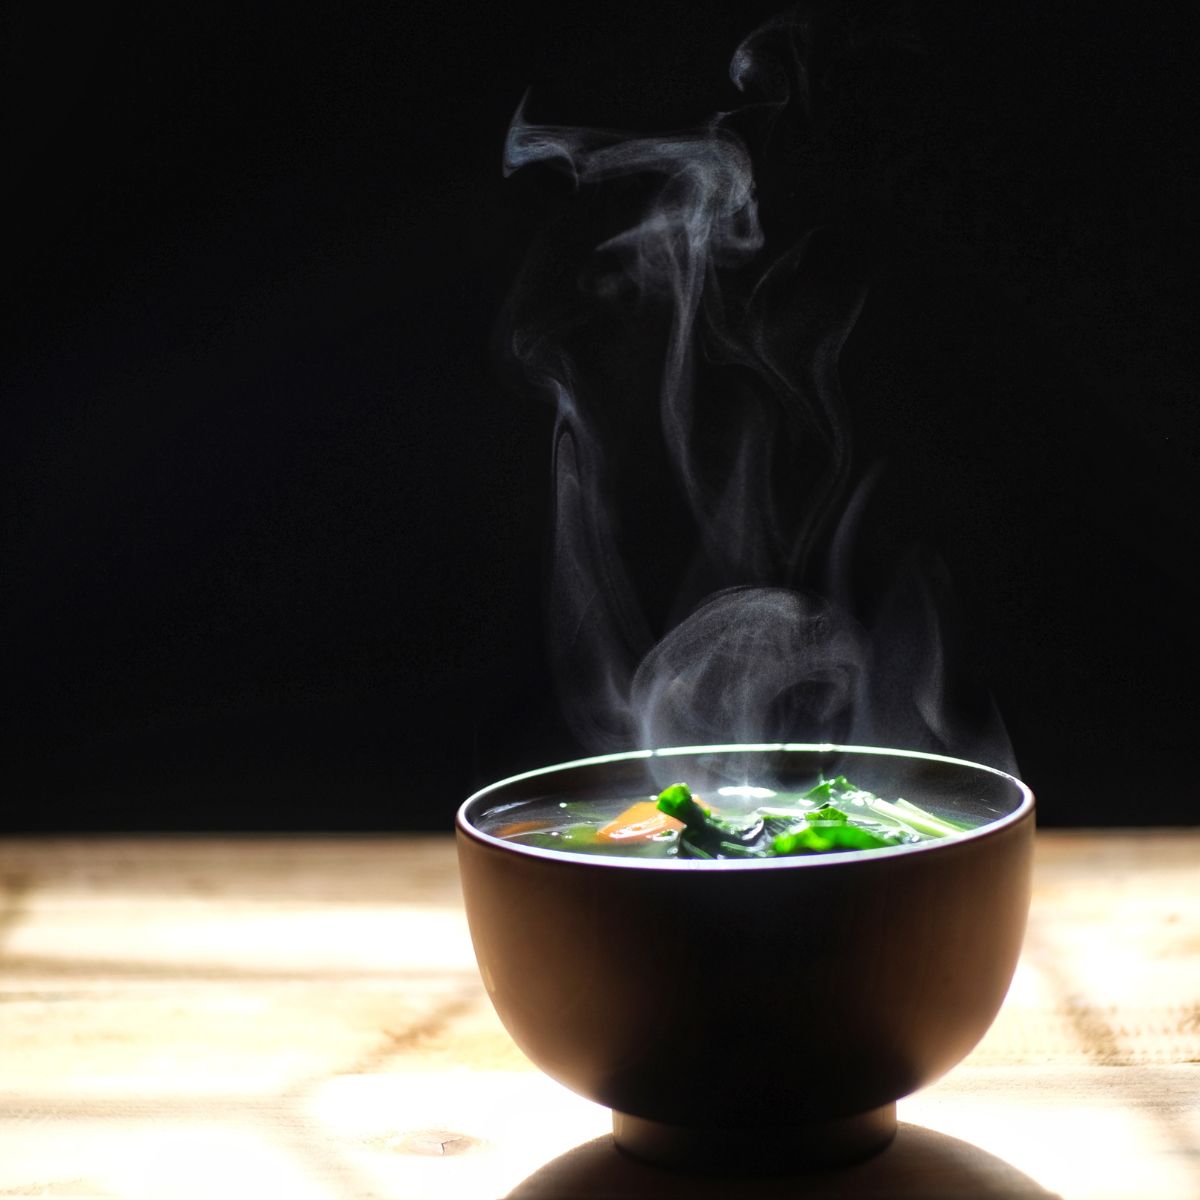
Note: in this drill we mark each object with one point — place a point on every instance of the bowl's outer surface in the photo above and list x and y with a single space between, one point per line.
812 990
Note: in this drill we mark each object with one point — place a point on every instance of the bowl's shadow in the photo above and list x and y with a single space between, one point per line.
920 1164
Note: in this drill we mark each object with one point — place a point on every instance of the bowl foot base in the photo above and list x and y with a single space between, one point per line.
761 1149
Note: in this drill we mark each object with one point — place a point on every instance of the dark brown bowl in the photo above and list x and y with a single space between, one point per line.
761 1014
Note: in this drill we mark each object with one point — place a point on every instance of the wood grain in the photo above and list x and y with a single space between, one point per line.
302 1017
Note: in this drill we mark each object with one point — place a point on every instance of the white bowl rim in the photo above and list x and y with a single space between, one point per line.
790 862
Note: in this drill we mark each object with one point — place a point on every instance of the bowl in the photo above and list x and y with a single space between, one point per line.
752 1015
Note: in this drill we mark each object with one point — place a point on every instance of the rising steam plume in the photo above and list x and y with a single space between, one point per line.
704 502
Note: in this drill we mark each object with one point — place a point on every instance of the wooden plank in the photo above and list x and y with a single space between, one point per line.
308 1010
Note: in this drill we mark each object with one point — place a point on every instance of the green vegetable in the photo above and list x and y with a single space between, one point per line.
828 788
705 835
777 831
827 813
914 817
571 837
819 837
930 819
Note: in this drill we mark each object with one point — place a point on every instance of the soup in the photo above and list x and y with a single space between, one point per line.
833 816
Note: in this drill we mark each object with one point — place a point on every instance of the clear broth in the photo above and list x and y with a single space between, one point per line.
575 826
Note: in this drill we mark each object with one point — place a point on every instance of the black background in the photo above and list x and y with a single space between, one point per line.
274 526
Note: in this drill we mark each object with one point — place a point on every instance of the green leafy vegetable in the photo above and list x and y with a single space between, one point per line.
820 837
571 837
827 813
827 789
706 835
778 831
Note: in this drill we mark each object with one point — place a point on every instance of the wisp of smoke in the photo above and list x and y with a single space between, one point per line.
761 640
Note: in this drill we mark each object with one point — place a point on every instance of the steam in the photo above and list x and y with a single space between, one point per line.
752 664
730 473
702 217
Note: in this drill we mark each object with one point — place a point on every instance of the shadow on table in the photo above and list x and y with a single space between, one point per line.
920 1164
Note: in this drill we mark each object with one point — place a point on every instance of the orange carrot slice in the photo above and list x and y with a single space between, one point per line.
638 823
515 827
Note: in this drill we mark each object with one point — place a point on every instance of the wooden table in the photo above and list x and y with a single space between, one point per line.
299 1017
